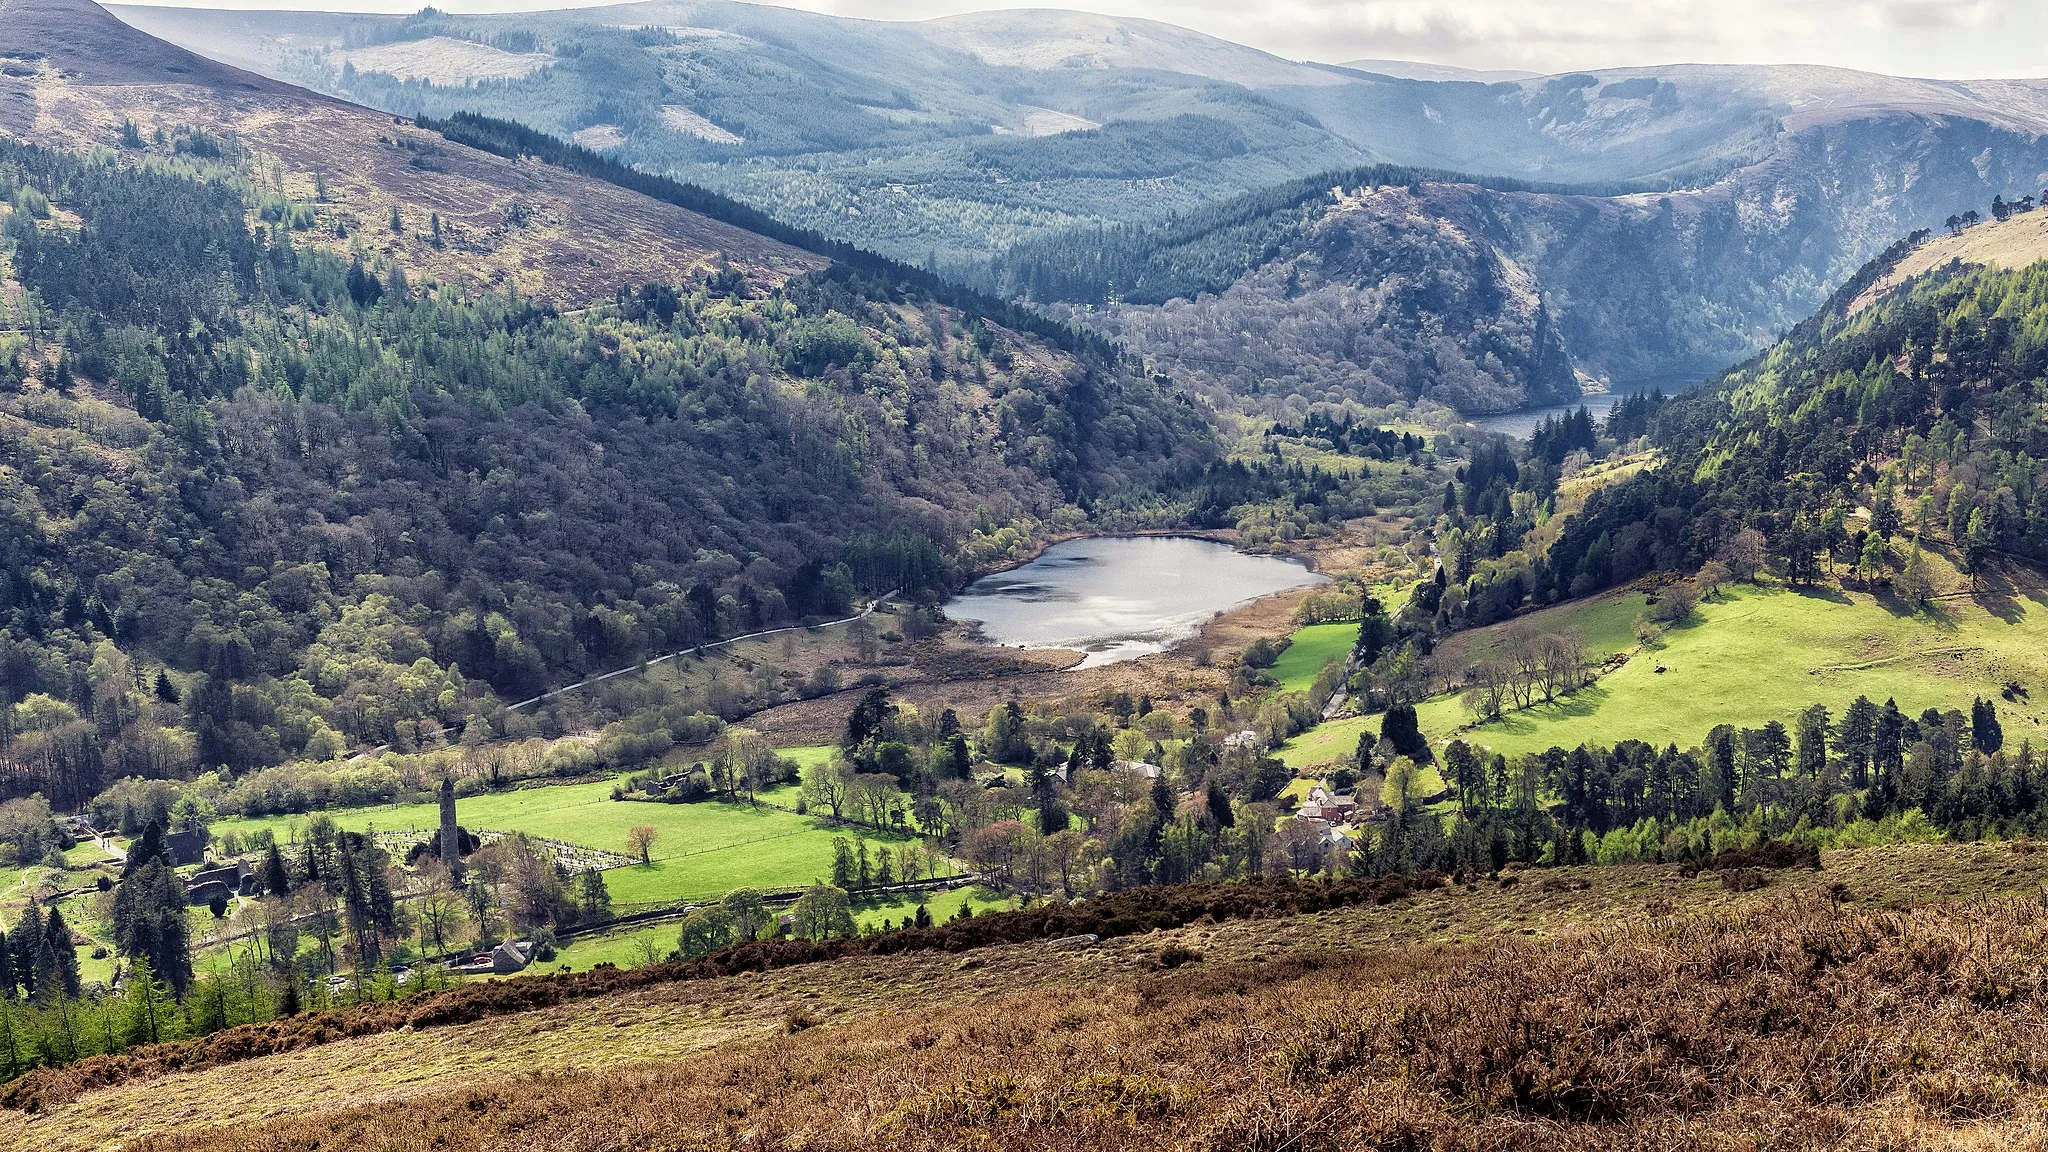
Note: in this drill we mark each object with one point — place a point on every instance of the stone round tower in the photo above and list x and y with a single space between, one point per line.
451 836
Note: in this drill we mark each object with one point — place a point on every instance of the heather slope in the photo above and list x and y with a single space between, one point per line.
1619 1007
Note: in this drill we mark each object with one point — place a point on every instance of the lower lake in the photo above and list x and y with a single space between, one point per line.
1120 597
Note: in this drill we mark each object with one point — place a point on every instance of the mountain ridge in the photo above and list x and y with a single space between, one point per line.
81 73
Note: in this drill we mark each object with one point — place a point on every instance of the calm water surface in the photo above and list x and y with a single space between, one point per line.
1118 598
1520 423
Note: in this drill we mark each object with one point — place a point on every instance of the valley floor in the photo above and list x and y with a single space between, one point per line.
1625 1007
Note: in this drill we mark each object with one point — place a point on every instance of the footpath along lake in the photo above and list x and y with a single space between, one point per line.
1121 597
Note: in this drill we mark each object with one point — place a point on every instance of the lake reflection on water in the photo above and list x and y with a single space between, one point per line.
1118 598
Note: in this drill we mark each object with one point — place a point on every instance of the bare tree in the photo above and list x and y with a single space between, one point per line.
1744 554
1564 664
640 840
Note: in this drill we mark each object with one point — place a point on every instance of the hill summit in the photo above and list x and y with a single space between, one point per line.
73 76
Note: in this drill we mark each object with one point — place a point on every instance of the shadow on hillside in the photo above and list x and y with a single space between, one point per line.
1999 594
1934 612
1827 592
1578 705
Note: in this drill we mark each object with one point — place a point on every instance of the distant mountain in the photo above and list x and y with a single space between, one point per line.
1416 70
1049 39
1663 221
930 141
1672 126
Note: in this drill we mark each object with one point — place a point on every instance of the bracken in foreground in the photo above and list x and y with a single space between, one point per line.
1792 1023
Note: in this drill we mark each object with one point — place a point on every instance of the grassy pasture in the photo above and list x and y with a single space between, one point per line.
1311 648
700 849
1327 743
1606 623
628 947
1758 654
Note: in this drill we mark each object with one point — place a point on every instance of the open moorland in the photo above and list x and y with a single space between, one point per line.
1552 1007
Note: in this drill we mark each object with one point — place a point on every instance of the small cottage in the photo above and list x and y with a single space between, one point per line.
188 847
511 956
1148 771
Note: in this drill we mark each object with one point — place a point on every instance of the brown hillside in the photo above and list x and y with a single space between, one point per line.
2014 243
1891 1000
70 74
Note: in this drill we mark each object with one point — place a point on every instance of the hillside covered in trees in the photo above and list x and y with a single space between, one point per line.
1887 424
272 491
1487 294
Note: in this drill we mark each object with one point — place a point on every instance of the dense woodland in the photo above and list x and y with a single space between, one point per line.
267 501
1203 250
1836 452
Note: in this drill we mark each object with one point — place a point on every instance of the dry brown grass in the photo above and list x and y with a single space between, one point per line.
2013 243
77 73
1620 1008
1794 1025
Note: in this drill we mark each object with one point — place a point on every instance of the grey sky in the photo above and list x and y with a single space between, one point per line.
1942 38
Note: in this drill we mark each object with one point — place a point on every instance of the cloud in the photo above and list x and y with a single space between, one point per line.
1952 38
1925 15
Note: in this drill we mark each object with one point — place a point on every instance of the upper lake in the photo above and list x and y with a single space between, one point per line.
1121 597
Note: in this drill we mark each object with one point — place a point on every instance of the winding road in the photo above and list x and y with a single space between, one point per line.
877 602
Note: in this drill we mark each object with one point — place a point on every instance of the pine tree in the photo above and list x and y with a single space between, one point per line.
277 879
24 943
1218 803
62 953
147 847
842 862
144 1001
595 897
1721 766
1986 734
149 922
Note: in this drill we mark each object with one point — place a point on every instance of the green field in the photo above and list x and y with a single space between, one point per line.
1751 654
808 755
628 948
944 906
1311 648
700 849
1605 623
1759 654
1326 743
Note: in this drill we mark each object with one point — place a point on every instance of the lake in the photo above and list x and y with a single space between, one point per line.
1520 423
1121 597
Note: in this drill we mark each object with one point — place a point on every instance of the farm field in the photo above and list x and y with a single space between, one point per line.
1759 654
629 947
1311 648
808 755
700 849
1326 743
1606 623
